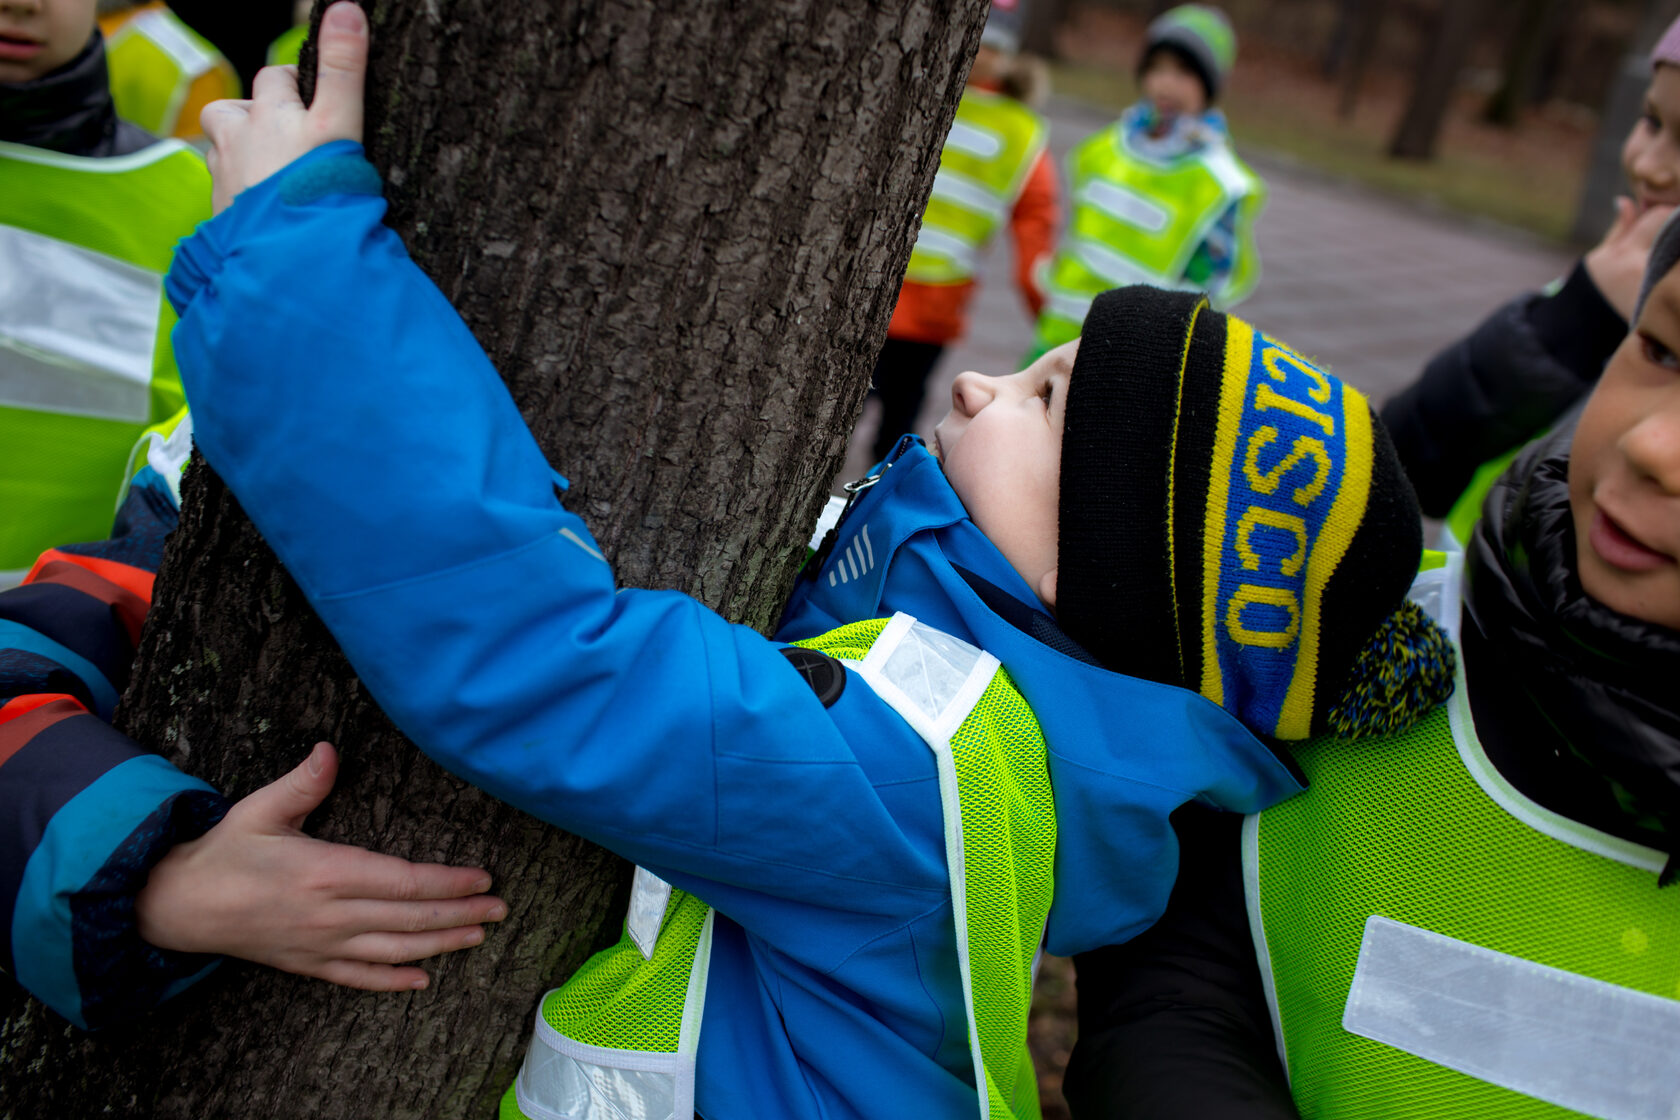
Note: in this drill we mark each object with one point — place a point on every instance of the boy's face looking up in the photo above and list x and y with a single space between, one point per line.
1001 447
1172 86
1651 155
39 36
1624 470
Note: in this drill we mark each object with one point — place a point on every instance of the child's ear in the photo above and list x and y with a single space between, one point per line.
1047 589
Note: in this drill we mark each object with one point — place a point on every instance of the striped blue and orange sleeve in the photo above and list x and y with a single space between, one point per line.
85 811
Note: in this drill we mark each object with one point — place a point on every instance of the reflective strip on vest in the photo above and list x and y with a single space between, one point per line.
982 168
1137 220
563 1079
1435 945
76 329
1584 1044
935 682
153 60
85 362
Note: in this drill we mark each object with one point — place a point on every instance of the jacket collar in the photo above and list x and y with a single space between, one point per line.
1604 681
69 110
907 544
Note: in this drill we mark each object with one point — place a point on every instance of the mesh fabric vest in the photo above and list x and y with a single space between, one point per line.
623 1032
1139 221
987 154
85 363
1415 840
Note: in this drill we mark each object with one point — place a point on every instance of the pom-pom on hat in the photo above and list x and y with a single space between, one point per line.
1201 34
1234 520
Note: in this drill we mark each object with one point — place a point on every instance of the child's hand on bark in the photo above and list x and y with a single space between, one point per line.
256 887
251 140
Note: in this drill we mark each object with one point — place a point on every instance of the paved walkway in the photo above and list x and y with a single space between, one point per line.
1368 285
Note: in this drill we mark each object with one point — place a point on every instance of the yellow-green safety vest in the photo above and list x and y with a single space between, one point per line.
987 155
154 59
85 363
286 49
1435 945
620 1037
1137 220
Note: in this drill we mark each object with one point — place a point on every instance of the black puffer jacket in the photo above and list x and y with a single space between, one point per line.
1175 1024
1500 386
70 110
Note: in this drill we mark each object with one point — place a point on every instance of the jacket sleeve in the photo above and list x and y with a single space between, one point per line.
88 811
423 523
1033 224
1174 1022
1501 386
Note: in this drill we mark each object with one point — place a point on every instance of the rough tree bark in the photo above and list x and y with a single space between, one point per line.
678 229
1436 79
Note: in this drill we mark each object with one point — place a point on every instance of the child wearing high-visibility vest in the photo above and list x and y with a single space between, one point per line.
91 207
163 73
1013 659
1476 917
1160 197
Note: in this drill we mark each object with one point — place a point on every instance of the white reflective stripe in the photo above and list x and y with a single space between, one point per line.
1066 306
1113 267
934 680
977 142
566 1080
1220 160
1436 592
927 676
77 329
1257 930
159 27
829 518
1580 1043
1125 205
970 195
649 895
168 457
95 165
583 544
563 1079
694 1010
938 243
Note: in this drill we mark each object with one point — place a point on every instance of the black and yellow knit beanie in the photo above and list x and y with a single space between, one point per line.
1234 520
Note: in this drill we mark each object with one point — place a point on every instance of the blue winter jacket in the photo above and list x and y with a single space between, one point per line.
483 618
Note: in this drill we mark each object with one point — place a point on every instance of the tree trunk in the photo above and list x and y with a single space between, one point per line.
1365 30
677 229
1436 80
1537 24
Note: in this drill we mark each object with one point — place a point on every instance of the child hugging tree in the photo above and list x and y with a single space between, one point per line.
1124 575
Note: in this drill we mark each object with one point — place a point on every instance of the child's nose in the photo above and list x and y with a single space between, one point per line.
1657 161
1652 446
970 392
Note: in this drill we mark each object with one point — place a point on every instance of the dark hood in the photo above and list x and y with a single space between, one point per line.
1606 683
69 110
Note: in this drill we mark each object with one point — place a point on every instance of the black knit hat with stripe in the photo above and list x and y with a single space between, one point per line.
1234 520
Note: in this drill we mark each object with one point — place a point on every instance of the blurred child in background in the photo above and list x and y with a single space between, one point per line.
163 73
994 169
1160 197
91 207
